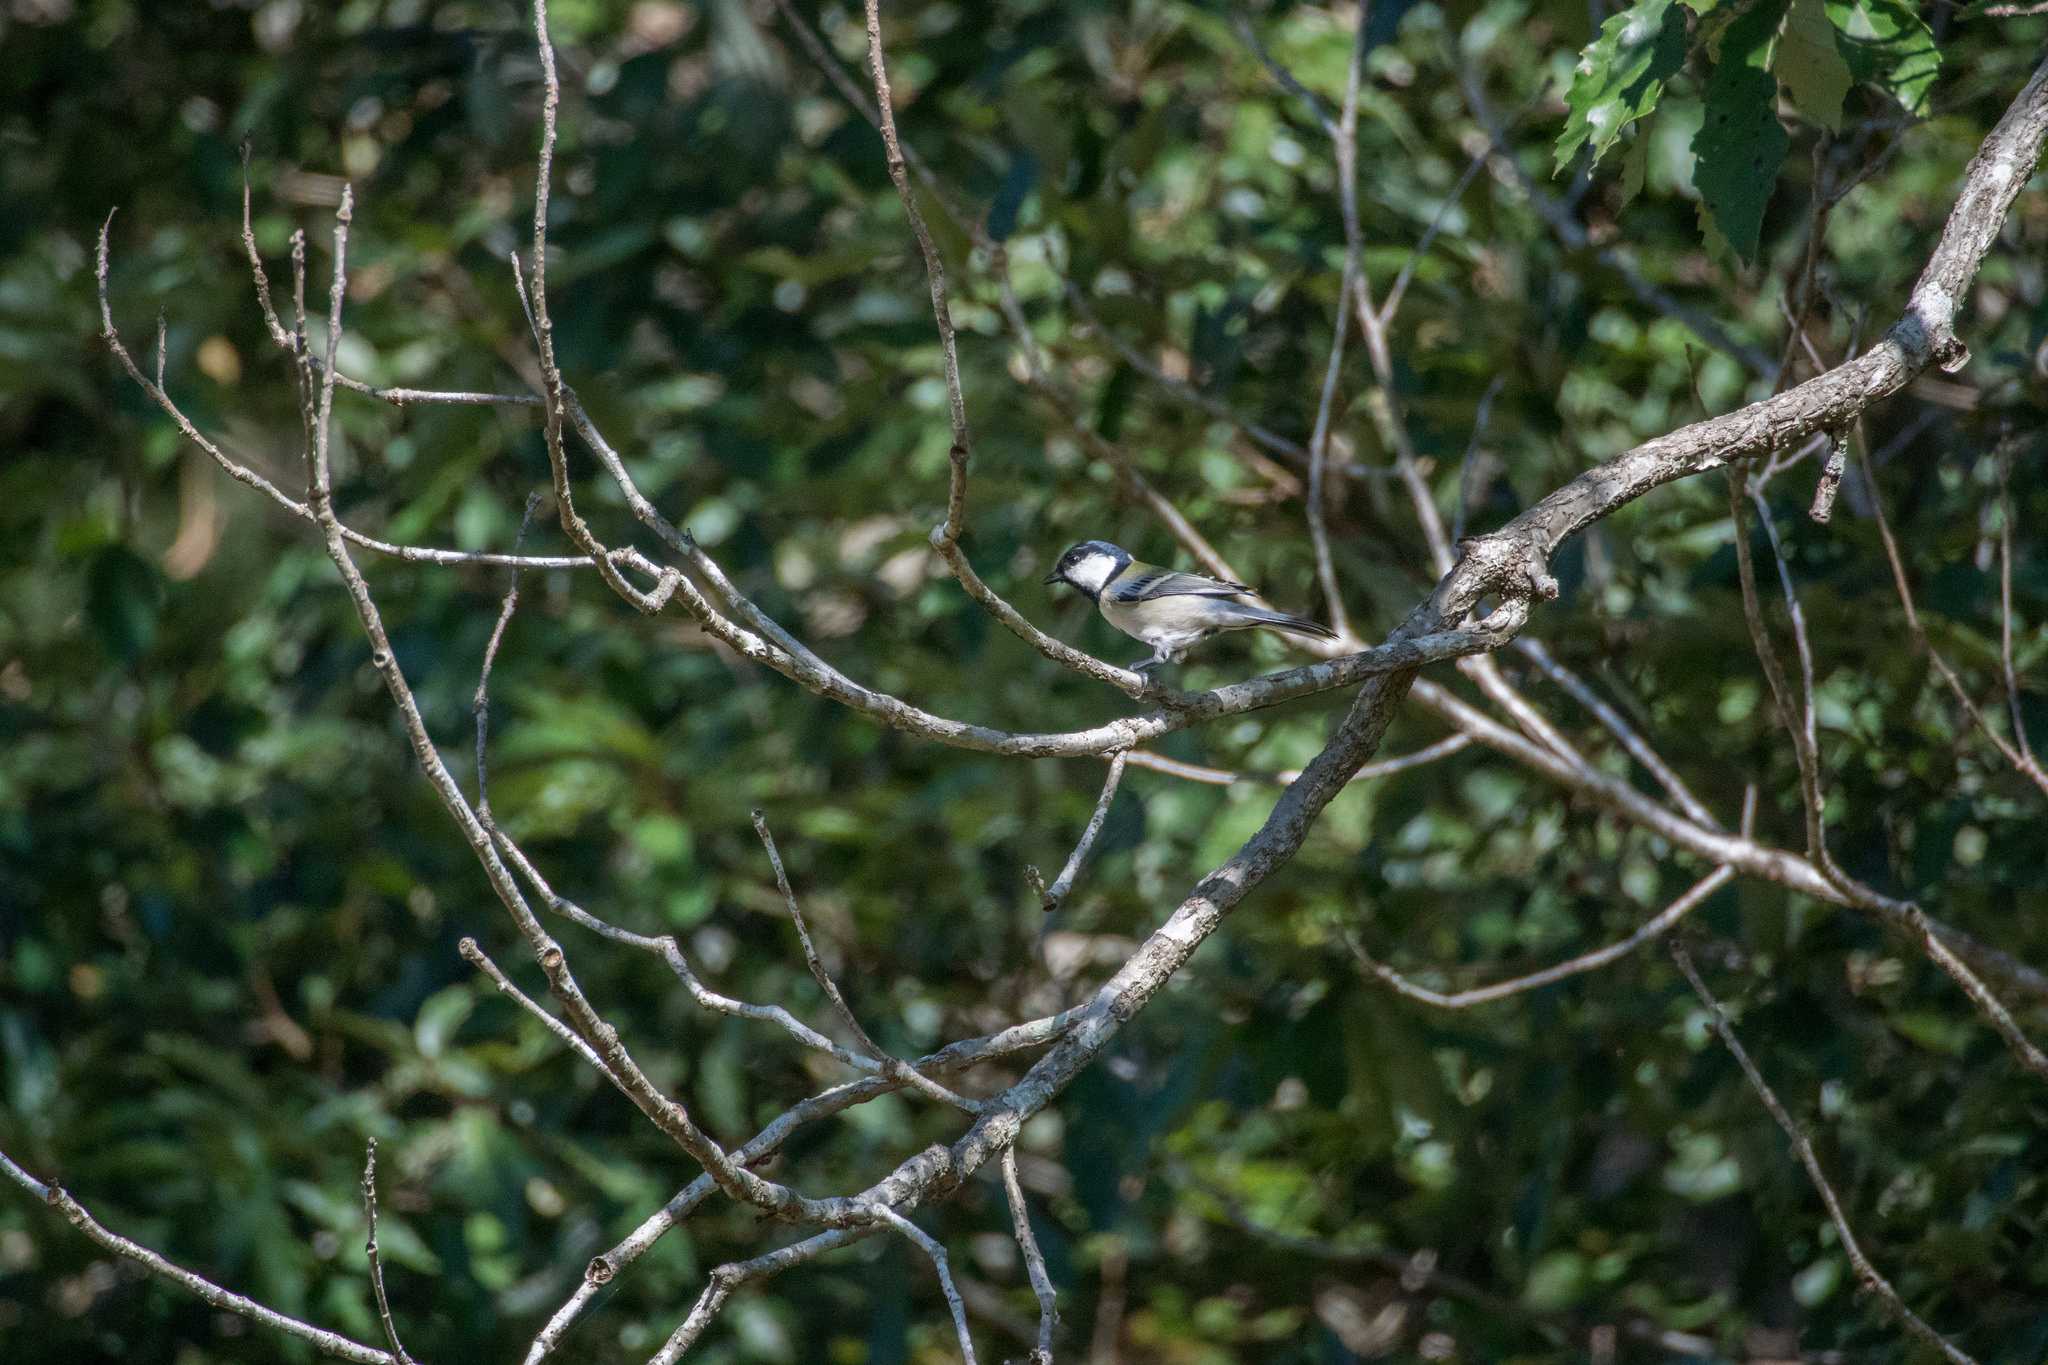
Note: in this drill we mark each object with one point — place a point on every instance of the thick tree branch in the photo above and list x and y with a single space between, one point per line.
1514 559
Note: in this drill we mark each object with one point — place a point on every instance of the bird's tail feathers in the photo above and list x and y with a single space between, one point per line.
1256 616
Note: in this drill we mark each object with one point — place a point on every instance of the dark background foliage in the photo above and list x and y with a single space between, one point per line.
228 906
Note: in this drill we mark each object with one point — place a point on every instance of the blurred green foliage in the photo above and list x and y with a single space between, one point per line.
228 906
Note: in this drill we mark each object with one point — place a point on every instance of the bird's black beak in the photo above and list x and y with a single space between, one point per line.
1053 577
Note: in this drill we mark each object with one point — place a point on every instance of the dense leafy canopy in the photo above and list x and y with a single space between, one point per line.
228 906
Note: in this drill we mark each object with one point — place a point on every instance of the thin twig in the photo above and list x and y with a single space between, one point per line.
2022 762
370 1250
1286 79
480 705
935 276
665 947
1629 738
933 1249
578 530
672 1118
1223 777
1345 135
1063 885
242 474
892 1065
725 1279
1034 1259
476 956
1480 417
960 1056
1801 726
333 1343
1658 924
1866 1274
2012 682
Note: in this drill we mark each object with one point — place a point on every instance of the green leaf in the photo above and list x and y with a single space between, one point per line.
1557 1281
1812 1286
1634 166
1811 65
439 1016
122 594
1621 74
1740 145
1889 45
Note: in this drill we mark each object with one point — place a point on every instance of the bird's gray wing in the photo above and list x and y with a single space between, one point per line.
1151 584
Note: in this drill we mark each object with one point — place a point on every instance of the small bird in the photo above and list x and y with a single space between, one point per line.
1165 608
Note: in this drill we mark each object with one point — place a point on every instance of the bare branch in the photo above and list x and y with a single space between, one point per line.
1187 708
1658 924
1637 747
1345 134
573 524
2022 762
958 1056
935 274
1055 896
1286 79
332 1343
931 1248
1801 726
480 705
666 948
1746 855
726 1278
1223 777
2012 682
376 1262
672 1118
892 1065
1866 1274
476 956
1034 1259
242 474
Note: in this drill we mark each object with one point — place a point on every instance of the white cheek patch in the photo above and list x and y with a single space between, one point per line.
1091 571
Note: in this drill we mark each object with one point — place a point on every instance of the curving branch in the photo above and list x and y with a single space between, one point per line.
1867 1274
1654 927
227 1301
891 1065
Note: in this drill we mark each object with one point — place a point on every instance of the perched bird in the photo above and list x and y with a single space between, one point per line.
1165 608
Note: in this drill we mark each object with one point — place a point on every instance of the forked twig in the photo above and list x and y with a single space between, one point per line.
227 1301
1866 1274
892 1065
931 1247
